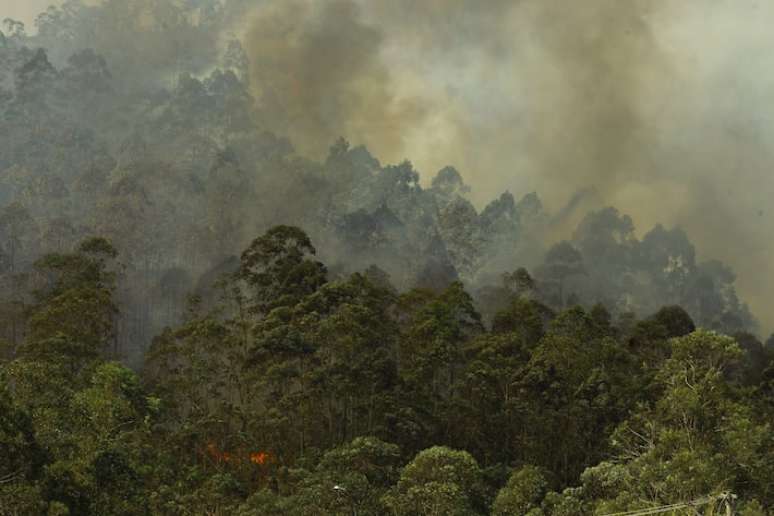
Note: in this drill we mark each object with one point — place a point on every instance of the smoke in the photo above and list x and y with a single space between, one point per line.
24 11
663 107
517 94
318 73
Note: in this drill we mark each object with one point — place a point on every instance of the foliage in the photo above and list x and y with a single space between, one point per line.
406 353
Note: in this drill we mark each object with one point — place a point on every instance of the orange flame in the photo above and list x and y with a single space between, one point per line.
259 458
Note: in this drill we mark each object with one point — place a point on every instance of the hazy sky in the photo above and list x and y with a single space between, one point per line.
665 107
24 10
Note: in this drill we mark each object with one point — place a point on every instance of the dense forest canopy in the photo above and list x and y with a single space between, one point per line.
212 303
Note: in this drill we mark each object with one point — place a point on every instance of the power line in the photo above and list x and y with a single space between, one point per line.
723 497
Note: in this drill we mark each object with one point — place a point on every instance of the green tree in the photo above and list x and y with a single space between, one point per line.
114 418
354 336
278 269
439 481
431 356
699 438
75 313
350 479
562 261
525 490
492 406
577 386
23 460
200 371
527 318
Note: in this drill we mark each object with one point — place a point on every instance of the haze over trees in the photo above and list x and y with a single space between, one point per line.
197 319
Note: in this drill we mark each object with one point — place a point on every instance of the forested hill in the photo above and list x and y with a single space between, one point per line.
295 392
196 318
106 131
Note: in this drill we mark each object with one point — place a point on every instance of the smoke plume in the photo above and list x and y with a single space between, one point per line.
662 107
318 73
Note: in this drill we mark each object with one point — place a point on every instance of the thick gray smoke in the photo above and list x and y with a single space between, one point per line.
662 107
318 72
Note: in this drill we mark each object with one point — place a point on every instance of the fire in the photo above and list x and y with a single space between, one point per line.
260 457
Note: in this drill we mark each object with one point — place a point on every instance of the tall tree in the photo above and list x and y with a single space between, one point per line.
279 270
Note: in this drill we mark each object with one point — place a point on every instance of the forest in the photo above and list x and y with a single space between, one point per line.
198 317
